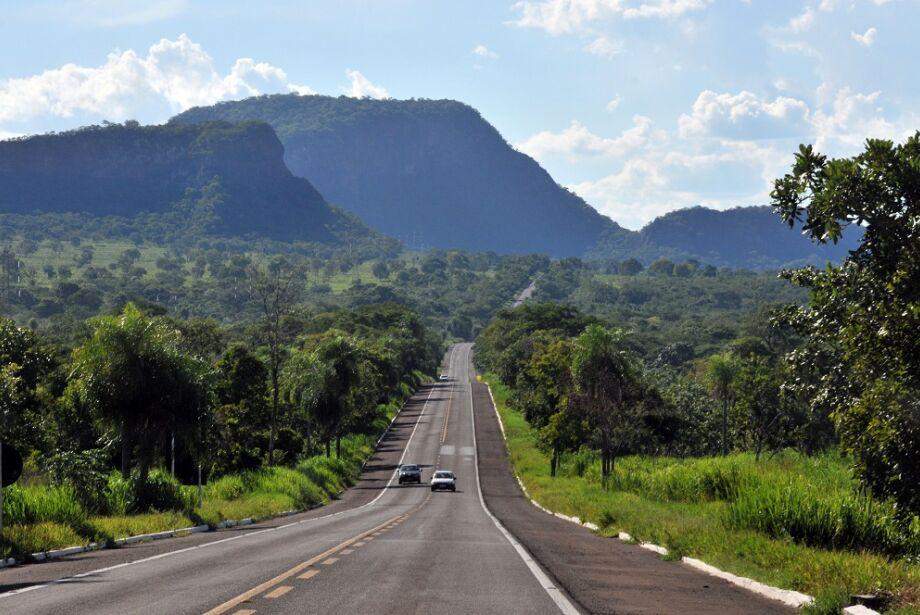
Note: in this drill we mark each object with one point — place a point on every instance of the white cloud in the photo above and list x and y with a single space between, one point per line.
484 52
802 22
743 116
174 75
613 104
361 87
665 9
567 16
658 181
604 47
577 141
563 16
866 39
303 90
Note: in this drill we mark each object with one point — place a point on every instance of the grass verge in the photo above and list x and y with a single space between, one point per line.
687 506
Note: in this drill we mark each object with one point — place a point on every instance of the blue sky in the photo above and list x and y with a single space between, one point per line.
640 106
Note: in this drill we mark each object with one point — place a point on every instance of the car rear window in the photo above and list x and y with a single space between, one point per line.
443 475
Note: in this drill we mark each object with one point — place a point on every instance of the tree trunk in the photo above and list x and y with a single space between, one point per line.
274 414
124 450
328 448
725 427
553 462
338 447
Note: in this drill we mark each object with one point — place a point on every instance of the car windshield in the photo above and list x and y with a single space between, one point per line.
409 468
443 475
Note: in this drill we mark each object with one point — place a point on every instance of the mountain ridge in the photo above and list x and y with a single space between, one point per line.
425 171
128 169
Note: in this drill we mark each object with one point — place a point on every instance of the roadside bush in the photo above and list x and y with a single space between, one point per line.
38 504
794 510
159 492
84 472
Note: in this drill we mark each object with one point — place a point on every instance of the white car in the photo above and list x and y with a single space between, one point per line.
443 377
445 480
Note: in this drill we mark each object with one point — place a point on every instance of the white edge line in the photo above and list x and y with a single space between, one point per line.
786 596
22 590
556 595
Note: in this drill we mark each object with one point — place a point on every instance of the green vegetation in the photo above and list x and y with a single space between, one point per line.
714 508
116 433
41 518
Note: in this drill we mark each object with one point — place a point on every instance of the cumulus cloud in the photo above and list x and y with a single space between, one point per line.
484 52
172 76
604 47
361 87
865 39
658 181
743 115
664 9
613 104
567 16
577 141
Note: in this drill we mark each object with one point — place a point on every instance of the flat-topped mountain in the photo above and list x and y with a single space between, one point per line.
125 170
430 172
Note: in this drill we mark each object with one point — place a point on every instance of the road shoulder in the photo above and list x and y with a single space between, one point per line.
601 574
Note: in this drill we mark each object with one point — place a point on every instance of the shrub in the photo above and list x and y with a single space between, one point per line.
159 491
837 521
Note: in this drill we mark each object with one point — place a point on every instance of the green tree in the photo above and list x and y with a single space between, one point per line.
863 316
275 289
133 373
23 363
607 392
721 370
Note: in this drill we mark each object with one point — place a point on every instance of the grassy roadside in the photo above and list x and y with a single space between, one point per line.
41 517
678 504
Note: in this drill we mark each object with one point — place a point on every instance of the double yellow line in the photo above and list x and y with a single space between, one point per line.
267 585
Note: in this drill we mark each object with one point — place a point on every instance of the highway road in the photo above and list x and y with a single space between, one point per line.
383 548
386 548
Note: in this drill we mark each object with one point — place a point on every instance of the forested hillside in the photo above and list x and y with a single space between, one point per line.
433 173
216 178
750 237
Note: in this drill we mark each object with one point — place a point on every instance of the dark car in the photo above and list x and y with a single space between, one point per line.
410 473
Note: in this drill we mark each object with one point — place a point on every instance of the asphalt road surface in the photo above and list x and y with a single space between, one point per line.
386 548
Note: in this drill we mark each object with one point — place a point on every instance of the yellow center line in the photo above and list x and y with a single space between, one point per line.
279 591
309 574
346 551
245 612
267 585
330 561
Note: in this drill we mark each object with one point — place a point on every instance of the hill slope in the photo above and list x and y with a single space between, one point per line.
430 172
126 170
751 237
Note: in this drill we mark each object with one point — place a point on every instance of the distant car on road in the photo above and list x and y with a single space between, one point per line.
445 480
410 473
443 377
